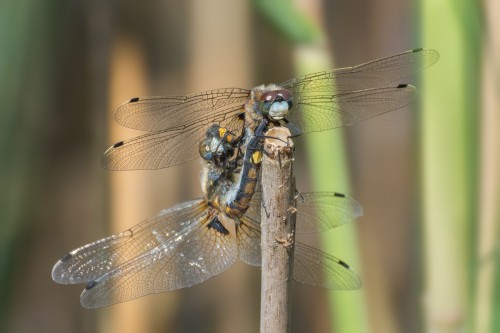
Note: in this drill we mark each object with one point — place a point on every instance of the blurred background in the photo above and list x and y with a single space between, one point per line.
426 175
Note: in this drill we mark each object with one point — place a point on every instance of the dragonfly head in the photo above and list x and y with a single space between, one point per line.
212 146
275 104
219 145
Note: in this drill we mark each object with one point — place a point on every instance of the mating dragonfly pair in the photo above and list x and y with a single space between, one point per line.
193 241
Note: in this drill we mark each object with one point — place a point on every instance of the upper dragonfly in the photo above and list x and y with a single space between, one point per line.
311 103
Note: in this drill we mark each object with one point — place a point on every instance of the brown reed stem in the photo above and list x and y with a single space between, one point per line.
278 232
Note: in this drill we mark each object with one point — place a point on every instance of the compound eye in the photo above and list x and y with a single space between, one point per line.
285 95
205 152
266 100
268 96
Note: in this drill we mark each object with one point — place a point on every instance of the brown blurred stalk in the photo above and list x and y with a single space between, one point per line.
127 79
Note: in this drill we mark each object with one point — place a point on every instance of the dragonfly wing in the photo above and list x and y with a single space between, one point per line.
253 211
376 73
93 260
159 113
249 241
321 211
317 268
195 254
311 266
319 113
164 148
316 211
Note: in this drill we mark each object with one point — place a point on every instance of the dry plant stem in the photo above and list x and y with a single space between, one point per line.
278 232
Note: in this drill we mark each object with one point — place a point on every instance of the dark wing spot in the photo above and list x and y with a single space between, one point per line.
118 144
66 257
133 100
217 226
91 285
402 85
340 195
241 116
417 50
344 264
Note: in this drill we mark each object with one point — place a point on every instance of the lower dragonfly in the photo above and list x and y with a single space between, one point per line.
190 242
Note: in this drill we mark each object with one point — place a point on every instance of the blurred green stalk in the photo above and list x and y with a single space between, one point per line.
448 157
289 20
326 153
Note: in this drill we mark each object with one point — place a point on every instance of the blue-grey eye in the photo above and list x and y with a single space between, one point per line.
204 150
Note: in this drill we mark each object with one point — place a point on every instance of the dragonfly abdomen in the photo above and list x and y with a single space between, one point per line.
239 197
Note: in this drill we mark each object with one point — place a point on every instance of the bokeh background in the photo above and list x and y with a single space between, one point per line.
427 175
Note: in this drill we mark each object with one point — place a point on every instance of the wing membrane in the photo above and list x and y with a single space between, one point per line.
377 73
311 266
192 256
319 113
321 211
158 113
91 261
249 241
316 211
317 268
165 148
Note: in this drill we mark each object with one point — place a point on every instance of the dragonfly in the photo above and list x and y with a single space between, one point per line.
193 241
311 103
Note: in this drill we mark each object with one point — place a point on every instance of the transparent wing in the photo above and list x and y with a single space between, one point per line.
321 211
167 147
377 73
323 112
192 256
316 211
317 268
249 241
253 211
93 260
158 113
311 266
